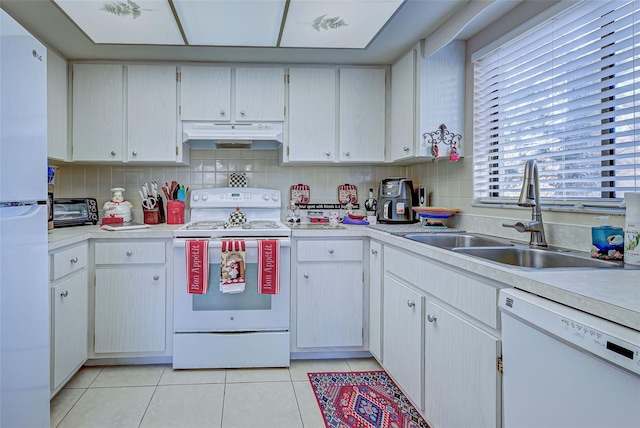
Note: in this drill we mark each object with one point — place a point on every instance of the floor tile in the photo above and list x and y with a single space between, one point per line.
62 403
308 405
258 375
109 407
300 368
84 377
112 376
185 406
261 404
191 377
363 364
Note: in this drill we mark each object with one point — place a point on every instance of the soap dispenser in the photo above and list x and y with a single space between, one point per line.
607 241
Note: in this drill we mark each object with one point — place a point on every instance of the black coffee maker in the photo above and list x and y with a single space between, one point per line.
395 201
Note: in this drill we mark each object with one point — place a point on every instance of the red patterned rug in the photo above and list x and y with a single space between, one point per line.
363 400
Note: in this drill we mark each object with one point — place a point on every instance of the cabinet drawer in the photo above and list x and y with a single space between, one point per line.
132 252
68 260
334 250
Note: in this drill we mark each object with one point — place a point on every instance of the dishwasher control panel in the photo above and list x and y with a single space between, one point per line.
615 343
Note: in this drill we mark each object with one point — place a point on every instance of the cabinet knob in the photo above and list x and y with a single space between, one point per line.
129 253
74 260
222 112
156 277
330 250
327 154
431 318
306 276
374 252
113 153
406 149
242 112
411 303
134 153
64 293
347 154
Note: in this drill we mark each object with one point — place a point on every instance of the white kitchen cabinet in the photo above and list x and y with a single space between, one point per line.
259 94
152 113
69 312
375 299
362 114
460 371
403 107
312 121
98 112
57 107
404 337
205 93
131 297
328 290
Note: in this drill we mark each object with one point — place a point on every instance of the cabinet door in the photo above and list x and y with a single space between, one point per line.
259 94
375 300
312 114
130 310
152 113
403 107
329 305
98 112
205 93
57 113
362 114
403 337
70 324
462 384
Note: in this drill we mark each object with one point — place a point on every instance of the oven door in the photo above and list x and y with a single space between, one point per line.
224 312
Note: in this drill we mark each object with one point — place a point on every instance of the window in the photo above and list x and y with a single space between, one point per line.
567 94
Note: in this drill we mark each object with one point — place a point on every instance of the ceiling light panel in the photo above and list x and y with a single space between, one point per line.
231 22
145 22
336 23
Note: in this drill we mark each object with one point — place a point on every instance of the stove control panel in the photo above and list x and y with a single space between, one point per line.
235 197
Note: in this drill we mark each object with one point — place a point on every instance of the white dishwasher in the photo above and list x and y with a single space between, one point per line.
566 368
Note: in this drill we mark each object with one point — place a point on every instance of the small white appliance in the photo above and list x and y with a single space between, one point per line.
566 368
218 330
24 287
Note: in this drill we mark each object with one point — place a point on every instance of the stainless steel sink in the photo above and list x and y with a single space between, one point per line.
450 240
537 258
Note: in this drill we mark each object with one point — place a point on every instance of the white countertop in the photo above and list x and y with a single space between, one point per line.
613 294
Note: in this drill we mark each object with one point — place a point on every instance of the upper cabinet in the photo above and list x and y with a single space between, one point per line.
224 94
57 113
145 131
427 104
336 115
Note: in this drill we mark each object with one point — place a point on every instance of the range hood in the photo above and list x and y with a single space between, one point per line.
209 135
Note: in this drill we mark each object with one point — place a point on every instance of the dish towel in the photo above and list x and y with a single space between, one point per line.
197 266
232 267
268 266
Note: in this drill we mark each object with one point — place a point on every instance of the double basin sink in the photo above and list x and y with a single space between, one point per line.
505 252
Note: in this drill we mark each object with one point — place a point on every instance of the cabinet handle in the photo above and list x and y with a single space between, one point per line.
330 250
431 318
306 276
156 277
327 154
406 149
242 112
222 112
129 253
374 252
347 154
74 260
113 153
411 303
64 293
134 153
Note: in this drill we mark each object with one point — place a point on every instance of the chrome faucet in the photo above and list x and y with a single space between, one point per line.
530 197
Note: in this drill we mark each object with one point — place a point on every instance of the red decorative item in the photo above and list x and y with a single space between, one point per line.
300 194
111 220
347 193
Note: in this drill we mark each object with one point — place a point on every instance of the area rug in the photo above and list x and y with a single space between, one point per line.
363 400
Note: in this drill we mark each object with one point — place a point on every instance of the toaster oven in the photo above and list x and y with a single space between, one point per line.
74 211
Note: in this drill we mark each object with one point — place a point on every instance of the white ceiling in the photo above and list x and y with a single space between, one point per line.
414 20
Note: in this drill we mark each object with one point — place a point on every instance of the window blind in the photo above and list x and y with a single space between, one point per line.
567 94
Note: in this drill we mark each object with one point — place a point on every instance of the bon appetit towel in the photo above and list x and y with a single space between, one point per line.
197 266
268 262
232 269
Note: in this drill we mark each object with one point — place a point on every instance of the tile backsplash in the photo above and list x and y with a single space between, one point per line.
212 168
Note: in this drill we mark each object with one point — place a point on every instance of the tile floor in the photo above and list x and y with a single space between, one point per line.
158 396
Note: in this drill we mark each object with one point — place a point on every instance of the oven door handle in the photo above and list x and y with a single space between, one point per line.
217 243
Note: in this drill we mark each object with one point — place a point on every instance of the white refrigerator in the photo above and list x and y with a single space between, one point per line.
24 302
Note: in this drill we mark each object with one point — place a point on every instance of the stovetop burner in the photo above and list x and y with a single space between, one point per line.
206 225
